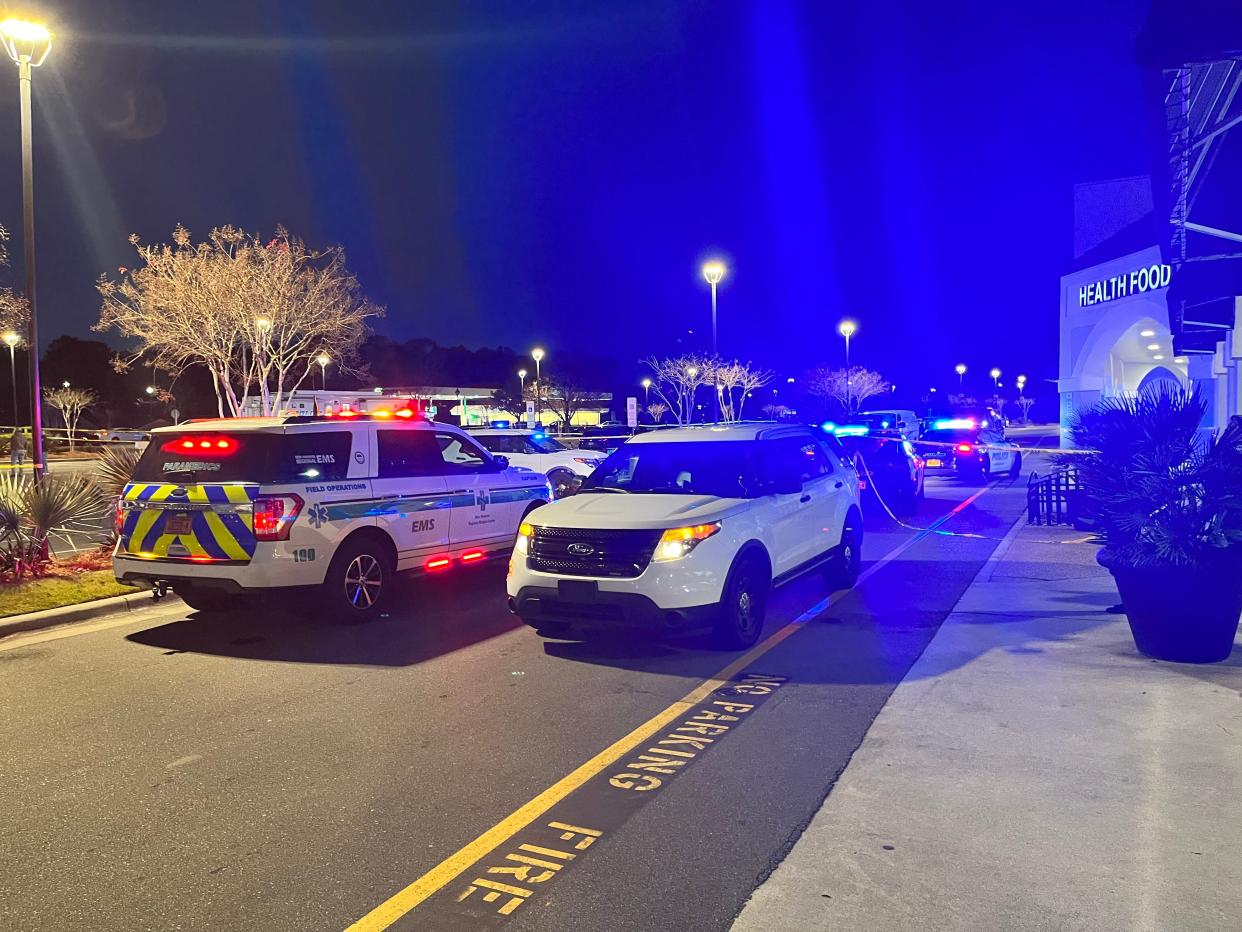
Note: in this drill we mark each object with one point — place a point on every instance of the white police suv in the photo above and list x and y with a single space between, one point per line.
535 450
223 509
690 526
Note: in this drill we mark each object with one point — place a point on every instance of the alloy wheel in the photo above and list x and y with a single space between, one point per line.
364 578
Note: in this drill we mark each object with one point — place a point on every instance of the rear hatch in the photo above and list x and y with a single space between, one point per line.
192 497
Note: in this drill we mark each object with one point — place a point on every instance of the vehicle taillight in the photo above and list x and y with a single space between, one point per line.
274 516
118 517
964 448
202 445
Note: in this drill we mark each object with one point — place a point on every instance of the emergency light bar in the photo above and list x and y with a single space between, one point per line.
954 423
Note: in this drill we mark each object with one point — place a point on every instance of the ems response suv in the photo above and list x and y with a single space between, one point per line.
690 526
222 509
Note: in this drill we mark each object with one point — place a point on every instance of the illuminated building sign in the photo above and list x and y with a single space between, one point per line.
1148 278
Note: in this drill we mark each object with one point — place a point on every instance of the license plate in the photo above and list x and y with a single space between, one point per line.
935 463
177 523
577 590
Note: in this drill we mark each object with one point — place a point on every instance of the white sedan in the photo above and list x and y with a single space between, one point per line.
565 468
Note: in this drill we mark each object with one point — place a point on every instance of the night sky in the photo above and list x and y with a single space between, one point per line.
553 173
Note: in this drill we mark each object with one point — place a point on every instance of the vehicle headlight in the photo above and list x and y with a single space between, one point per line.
525 532
676 542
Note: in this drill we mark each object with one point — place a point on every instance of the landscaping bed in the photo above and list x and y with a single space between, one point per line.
35 595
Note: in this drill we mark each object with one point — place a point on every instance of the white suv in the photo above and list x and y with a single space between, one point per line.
221 509
565 468
688 526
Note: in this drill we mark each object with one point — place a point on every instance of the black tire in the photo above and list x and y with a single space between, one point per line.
739 621
358 582
208 601
563 482
842 570
550 629
1016 469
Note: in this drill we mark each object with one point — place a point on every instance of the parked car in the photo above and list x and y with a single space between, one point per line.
904 422
222 510
604 437
534 449
690 527
888 467
970 449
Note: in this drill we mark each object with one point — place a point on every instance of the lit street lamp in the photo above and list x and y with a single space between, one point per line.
522 380
646 384
12 339
537 354
150 389
960 369
28 45
713 272
323 359
1021 380
995 374
847 328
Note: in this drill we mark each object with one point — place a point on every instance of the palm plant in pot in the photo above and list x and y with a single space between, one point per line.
1166 499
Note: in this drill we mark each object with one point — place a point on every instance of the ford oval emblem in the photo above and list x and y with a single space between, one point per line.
581 550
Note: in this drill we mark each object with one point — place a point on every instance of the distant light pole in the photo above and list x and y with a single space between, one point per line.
12 339
713 272
522 380
646 384
28 44
537 354
960 369
995 374
847 328
1021 380
323 359
692 373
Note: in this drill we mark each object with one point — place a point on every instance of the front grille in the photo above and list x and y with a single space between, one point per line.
618 554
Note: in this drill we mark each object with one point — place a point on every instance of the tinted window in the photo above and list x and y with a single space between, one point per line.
726 468
800 457
542 443
460 454
502 443
407 453
245 456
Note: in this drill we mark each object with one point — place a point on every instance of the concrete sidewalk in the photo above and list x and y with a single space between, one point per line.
1031 772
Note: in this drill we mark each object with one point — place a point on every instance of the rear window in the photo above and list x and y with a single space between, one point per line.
243 456
950 436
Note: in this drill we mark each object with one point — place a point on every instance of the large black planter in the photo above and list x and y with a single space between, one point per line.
1187 614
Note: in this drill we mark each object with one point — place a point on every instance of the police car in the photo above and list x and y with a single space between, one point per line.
223 509
971 448
534 449
690 527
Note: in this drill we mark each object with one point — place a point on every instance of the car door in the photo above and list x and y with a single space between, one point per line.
472 475
412 501
999 453
783 507
824 497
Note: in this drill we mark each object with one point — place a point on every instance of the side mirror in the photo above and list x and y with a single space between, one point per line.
501 461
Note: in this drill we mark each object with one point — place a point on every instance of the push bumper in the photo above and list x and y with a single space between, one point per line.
604 609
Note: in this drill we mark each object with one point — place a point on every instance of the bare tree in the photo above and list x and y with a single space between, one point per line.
255 313
657 410
70 402
1025 403
847 387
774 412
677 380
565 397
14 308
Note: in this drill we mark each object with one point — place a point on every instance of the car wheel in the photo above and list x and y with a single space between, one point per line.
208 601
843 568
739 621
1016 469
562 482
550 629
358 581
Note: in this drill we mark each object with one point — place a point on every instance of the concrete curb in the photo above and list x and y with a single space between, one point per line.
66 614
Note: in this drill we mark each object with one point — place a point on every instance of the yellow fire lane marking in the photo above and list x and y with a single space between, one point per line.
406 899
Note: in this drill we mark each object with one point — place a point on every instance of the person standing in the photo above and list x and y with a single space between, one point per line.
17 447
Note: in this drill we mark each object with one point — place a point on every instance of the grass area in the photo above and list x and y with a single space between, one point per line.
53 592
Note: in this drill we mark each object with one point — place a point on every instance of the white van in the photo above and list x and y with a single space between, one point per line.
222 509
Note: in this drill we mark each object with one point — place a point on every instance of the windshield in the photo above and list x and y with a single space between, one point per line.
726 469
545 444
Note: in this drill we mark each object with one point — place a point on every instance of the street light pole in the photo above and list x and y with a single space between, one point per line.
537 355
847 329
323 359
646 384
960 369
713 272
28 45
12 339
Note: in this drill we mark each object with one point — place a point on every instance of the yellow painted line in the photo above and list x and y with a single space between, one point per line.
406 899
